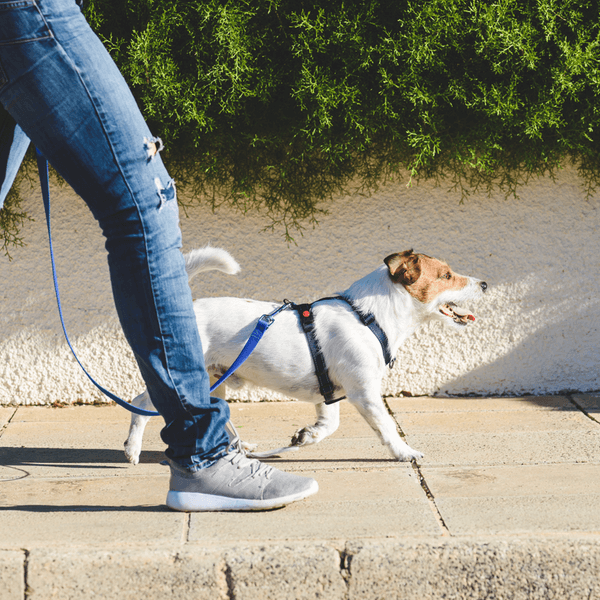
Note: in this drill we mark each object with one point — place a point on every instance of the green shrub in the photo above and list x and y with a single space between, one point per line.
279 104
12 218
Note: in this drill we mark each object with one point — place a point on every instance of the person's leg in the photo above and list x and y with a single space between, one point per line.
64 90
60 85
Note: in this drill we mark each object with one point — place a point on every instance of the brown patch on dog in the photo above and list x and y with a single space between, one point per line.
424 277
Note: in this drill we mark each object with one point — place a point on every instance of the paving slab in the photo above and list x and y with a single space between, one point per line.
521 514
513 466
468 432
72 512
335 454
76 442
373 504
512 481
517 499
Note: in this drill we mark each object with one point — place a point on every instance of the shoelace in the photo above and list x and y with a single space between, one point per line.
237 456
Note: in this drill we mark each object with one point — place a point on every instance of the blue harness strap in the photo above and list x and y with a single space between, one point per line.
307 322
368 320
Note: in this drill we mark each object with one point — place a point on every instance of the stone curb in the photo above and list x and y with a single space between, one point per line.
12 574
531 568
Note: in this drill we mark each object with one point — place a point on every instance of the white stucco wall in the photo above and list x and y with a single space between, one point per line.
537 330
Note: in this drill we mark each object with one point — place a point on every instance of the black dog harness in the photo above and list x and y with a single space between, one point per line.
305 314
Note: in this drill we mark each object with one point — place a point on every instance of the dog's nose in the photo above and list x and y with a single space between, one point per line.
483 285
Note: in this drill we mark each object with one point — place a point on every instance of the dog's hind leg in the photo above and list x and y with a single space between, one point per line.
328 420
375 413
133 443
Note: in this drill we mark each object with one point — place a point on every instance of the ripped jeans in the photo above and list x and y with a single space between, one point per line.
61 86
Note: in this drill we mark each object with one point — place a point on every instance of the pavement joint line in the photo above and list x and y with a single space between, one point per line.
229 580
431 500
5 426
346 574
26 589
187 525
391 413
345 560
417 469
572 400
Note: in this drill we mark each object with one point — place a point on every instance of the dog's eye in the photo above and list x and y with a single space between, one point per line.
447 276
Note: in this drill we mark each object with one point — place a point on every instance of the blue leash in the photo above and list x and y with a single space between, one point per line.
261 327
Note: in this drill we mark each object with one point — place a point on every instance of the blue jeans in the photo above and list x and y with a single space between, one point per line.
61 86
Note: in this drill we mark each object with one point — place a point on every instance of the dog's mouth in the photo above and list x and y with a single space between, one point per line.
459 315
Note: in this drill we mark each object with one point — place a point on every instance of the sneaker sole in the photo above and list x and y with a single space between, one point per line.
196 502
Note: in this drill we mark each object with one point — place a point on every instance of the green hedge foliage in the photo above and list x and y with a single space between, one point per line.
281 103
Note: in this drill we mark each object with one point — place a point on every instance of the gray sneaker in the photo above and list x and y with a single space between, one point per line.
235 482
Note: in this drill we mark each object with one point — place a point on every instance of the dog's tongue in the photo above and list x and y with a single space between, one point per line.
463 313
458 313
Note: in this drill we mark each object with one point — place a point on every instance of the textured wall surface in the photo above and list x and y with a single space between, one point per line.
536 330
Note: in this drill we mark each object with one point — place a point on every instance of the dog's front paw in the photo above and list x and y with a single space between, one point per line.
405 453
414 455
306 435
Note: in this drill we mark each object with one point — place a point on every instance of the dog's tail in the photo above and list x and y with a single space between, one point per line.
210 259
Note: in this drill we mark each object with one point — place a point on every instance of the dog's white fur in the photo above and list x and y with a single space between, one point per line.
402 294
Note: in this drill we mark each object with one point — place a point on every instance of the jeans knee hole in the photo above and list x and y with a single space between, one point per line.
167 194
152 146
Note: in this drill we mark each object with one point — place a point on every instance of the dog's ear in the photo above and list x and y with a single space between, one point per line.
403 267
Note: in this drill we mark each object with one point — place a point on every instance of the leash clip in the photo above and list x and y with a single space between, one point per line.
267 320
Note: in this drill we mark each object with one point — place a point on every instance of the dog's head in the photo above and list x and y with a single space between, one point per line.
435 286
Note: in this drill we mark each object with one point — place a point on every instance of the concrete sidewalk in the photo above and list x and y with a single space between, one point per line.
505 504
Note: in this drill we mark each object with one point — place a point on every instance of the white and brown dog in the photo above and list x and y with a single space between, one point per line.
404 293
